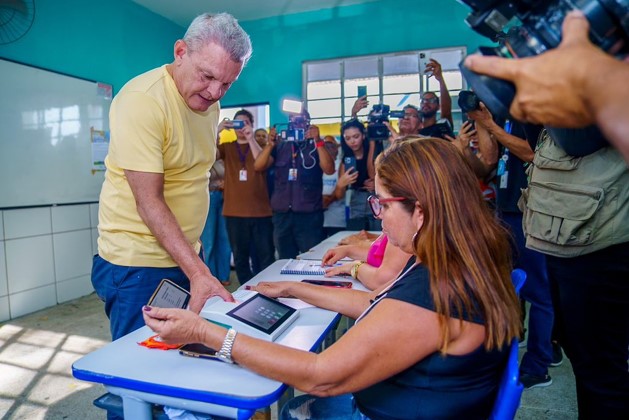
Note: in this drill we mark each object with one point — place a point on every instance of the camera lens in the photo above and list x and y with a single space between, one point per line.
468 101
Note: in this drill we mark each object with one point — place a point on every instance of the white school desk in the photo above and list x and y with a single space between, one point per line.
318 251
143 376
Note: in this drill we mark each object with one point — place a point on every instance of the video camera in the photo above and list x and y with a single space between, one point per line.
298 121
376 130
534 26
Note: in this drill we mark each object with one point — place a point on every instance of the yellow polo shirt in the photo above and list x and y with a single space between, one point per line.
153 130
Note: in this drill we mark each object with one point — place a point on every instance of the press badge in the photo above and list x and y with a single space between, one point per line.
243 175
292 174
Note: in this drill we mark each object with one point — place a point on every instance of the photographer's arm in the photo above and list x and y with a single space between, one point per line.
552 90
326 163
264 160
444 93
519 147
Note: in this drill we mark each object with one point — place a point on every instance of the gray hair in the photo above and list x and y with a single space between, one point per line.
222 29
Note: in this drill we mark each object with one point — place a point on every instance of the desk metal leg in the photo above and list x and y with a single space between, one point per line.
136 409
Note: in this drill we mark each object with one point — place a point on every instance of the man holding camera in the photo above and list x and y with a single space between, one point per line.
576 208
297 199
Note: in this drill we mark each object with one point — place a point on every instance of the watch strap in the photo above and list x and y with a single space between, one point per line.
225 353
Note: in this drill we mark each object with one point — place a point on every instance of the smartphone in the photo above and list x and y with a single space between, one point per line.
198 350
169 295
362 91
350 162
329 283
423 60
238 124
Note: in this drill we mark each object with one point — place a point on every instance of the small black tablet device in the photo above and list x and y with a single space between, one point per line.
198 350
169 295
262 313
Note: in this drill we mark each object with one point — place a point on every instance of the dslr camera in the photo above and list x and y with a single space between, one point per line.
376 130
525 28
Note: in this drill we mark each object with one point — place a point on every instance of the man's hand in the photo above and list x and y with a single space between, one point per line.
462 140
549 87
435 67
313 133
482 116
202 288
272 138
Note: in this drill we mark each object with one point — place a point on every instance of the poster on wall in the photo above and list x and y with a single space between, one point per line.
100 148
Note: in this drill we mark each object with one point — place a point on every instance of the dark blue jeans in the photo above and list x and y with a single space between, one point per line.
216 249
245 234
536 291
591 298
126 289
294 233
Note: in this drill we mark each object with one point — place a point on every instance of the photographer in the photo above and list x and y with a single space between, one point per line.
297 201
356 176
576 208
552 90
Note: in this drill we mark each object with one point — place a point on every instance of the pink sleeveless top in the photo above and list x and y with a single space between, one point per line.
376 251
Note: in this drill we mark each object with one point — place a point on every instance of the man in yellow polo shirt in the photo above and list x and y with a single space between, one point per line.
154 200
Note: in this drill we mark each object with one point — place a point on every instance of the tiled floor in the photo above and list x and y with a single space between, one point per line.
37 352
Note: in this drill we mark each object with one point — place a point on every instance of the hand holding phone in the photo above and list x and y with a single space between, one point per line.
169 295
238 124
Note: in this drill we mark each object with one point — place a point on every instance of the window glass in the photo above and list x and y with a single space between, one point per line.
331 86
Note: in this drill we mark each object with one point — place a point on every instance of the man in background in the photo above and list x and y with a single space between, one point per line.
154 199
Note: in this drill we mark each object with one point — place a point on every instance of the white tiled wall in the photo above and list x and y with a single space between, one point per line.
45 256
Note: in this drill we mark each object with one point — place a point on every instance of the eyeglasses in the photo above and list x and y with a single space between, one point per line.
430 100
410 115
375 203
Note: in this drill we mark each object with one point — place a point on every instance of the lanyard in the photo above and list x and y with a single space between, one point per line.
293 154
242 156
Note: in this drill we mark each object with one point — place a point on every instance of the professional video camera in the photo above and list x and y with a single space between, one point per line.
534 26
376 130
298 121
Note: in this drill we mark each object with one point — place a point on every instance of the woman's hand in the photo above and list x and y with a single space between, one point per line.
347 177
344 269
466 133
174 326
332 255
369 184
225 124
272 289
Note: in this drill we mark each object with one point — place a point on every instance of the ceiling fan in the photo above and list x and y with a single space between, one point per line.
16 18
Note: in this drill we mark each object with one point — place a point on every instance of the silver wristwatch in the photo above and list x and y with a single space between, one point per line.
225 353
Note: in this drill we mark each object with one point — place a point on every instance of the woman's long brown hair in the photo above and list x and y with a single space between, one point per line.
466 250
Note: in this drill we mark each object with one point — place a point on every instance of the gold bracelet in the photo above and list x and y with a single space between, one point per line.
354 270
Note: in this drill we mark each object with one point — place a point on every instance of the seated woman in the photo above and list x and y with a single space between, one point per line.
376 263
430 344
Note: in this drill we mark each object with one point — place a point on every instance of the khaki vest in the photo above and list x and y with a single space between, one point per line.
575 205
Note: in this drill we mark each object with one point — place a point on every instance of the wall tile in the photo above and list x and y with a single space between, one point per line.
3 272
32 300
27 222
94 215
74 288
29 263
4 309
66 218
73 254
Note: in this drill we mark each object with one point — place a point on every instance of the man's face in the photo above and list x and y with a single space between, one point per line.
411 123
429 105
261 136
203 76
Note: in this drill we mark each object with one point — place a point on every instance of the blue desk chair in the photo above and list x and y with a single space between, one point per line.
510 389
